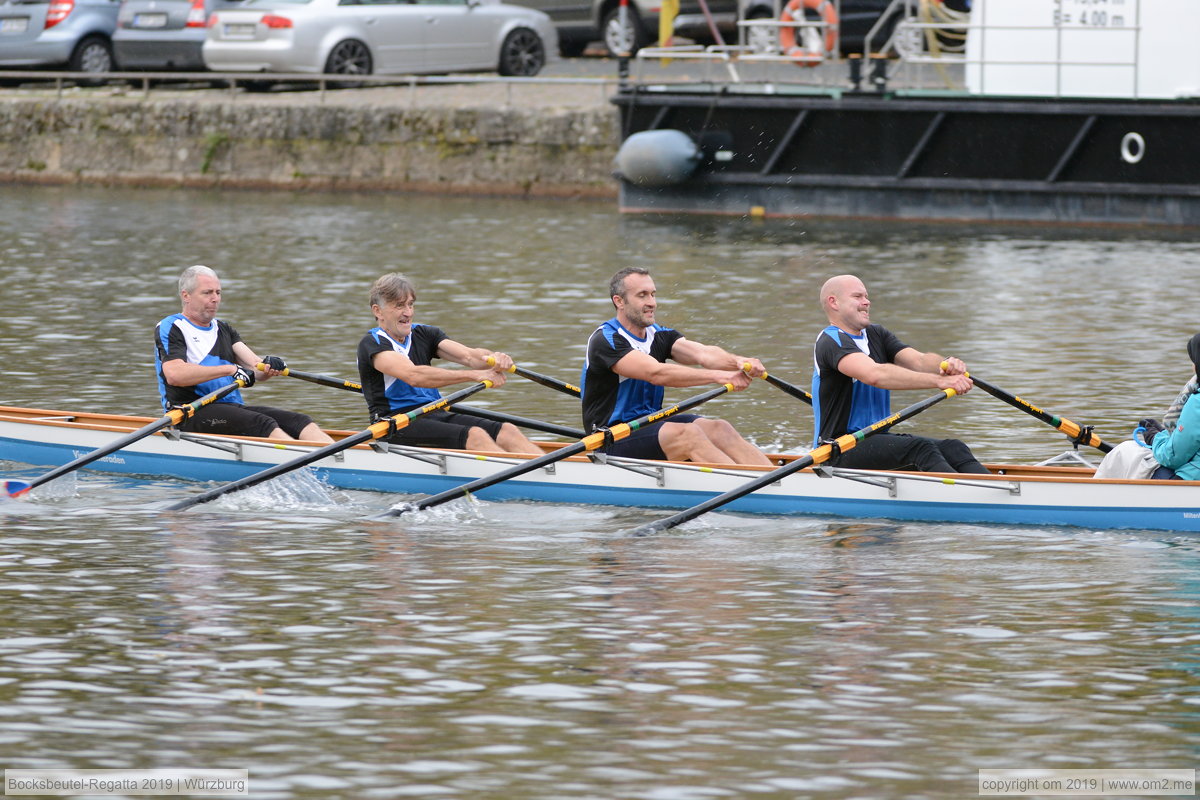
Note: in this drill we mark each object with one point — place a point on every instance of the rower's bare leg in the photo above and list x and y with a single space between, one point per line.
509 440
725 436
478 439
513 441
312 433
685 441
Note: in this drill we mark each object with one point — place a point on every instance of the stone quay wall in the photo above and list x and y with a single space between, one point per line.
355 140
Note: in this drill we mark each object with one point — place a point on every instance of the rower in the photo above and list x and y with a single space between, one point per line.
196 354
856 364
626 370
395 369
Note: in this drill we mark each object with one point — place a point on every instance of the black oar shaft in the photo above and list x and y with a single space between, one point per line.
816 456
544 380
172 417
793 390
588 443
1066 426
323 380
338 383
523 422
376 431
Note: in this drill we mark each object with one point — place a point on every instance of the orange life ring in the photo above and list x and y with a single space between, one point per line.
788 39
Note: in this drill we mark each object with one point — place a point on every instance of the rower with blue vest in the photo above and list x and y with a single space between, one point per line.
626 370
855 365
196 353
395 368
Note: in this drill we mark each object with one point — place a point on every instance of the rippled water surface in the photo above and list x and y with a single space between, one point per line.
536 651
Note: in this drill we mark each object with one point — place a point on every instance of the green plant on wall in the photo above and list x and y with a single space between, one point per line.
212 143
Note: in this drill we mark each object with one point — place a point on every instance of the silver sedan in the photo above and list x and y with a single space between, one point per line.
364 37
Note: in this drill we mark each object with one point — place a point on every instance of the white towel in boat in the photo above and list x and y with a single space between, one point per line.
1127 461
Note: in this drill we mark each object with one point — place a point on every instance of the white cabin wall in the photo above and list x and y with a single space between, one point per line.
1084 48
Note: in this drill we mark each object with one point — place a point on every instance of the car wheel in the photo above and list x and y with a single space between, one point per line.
628 38
762 39
523 54
92 54
349 57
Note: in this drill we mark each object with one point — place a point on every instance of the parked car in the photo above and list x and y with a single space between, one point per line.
363 37
164 34
68 34
641 22
572 20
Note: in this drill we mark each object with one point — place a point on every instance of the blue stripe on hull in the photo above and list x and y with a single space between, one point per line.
203 469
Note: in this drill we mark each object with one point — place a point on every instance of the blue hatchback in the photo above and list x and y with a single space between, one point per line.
70 34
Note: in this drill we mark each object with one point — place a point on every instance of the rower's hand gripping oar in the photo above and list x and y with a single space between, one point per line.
544 380
588 443
520 422
818 455
16 488
385 427
1078 434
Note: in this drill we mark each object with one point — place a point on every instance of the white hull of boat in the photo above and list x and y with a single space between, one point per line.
1016 495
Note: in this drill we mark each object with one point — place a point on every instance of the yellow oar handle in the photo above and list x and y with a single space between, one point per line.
491 362
945 365
261 367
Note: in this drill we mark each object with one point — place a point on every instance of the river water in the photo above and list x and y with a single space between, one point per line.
535 651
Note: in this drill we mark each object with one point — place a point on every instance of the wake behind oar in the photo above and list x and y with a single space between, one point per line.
378 430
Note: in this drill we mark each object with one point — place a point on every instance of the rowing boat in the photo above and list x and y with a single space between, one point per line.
1023 495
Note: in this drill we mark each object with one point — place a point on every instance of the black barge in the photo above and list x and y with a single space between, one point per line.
924 155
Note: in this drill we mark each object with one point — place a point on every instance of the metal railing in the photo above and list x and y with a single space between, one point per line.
236 83
911 46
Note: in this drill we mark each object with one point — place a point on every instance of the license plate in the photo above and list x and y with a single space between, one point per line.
240 31
14 24
149 20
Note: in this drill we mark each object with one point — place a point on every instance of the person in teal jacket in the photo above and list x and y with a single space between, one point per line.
1178 449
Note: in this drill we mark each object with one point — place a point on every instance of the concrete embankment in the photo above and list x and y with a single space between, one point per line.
546 141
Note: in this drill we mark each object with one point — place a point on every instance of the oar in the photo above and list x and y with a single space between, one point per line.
1075 432
792 389
338 383
816 456
544 380
16 488
588 443
323 380
385 427
523 422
